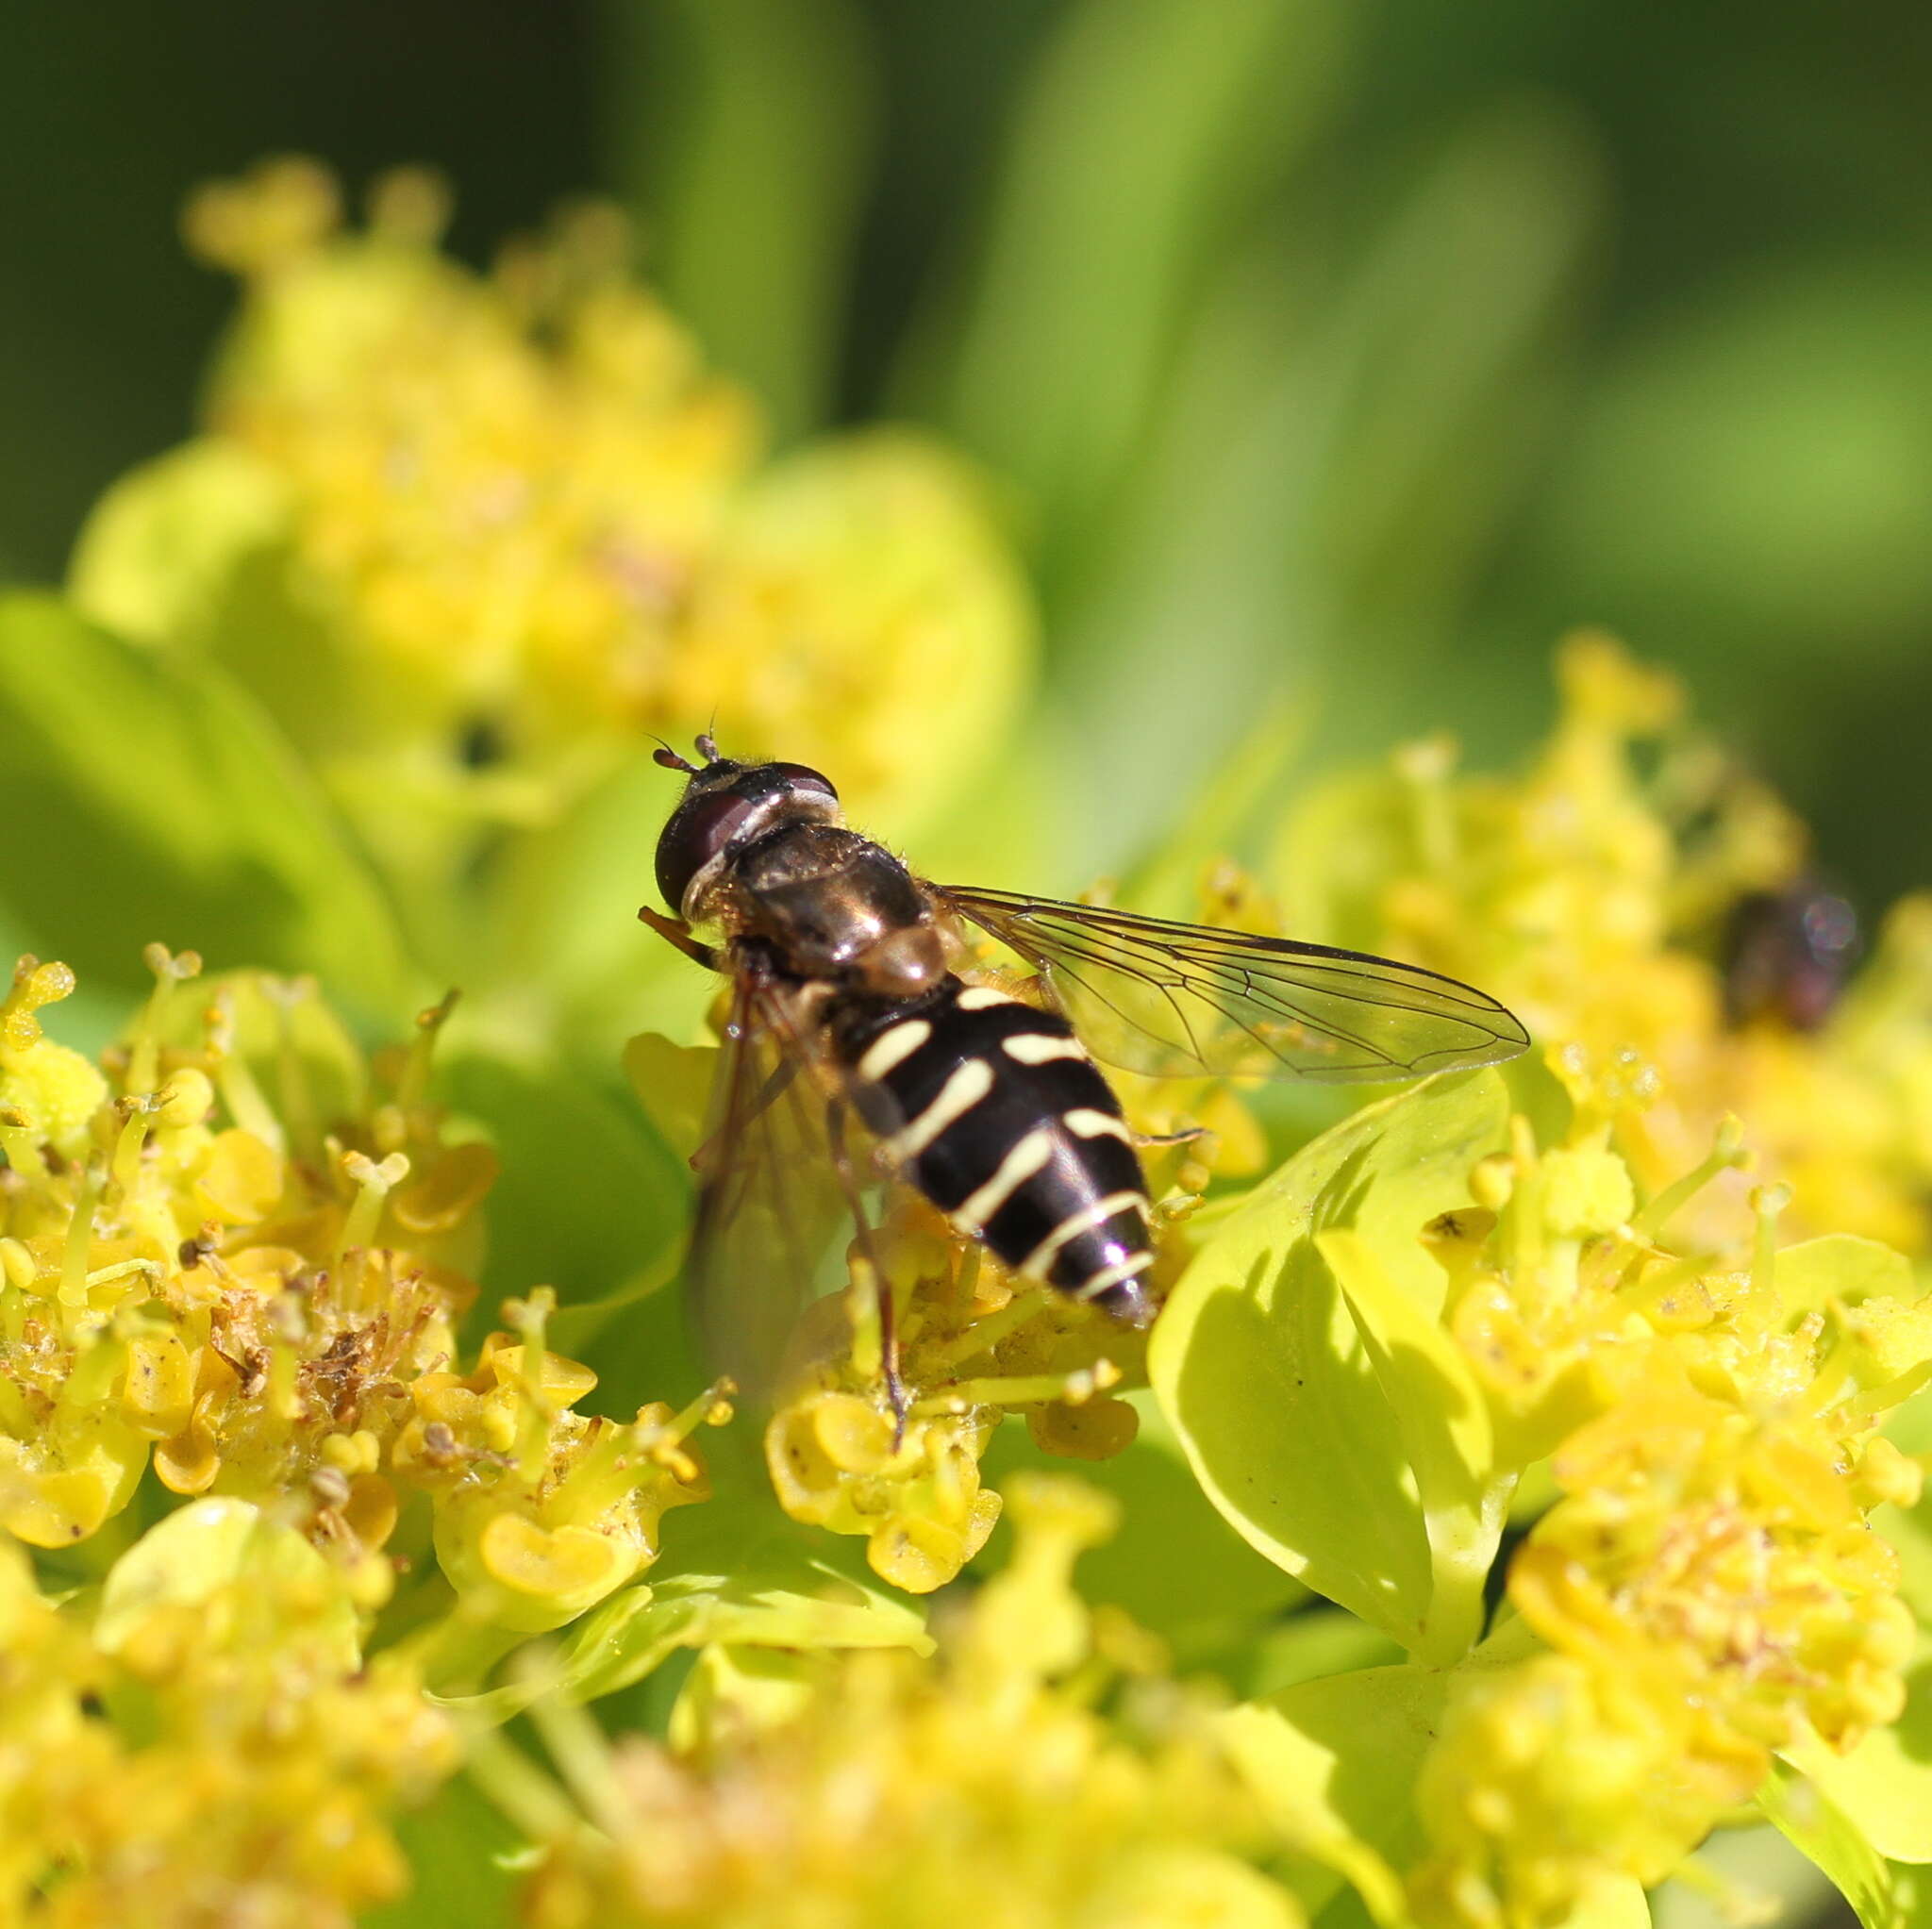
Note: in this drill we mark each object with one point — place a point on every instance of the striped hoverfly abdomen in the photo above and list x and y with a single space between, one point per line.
997 1114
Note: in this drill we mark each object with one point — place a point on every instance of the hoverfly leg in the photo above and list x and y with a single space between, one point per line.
882 1286
1149 1141
713 1148
675 931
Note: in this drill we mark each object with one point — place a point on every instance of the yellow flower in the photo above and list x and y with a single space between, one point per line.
1591 894
974 1344
214 1749
473 538
244 1298
1535 1270
540 1511
1707 1577
1550 1780
877 1790
1728 1556
269 1309
48 1094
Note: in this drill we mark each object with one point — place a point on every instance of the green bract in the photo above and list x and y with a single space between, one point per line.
1304 1335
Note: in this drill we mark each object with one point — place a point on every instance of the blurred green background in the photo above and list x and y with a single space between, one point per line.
1344 350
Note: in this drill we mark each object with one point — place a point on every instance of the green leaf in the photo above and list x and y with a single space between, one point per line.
155 801
742 138
804 1606
1744 466
811 1607
1443 1424
1137 136
590 1199
1426 378
1320 1642
1841 1267
1263 1372
1883 1788
458 1846
1333 1763
156 560
1810 1819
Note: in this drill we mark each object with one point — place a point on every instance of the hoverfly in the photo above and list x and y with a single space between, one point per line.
854 995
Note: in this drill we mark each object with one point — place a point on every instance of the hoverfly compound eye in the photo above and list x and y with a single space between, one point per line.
800 776
699 830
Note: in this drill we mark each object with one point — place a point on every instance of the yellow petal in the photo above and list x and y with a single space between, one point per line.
449 1191
242 1179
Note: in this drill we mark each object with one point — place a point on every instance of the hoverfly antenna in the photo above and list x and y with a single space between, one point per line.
708 747
671 760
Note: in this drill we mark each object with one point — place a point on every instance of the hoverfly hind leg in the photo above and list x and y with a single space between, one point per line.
1153 1141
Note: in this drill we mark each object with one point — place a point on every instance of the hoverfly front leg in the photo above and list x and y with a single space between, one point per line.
882 1286
675 931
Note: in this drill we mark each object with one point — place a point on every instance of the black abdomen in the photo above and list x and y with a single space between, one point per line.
995 1111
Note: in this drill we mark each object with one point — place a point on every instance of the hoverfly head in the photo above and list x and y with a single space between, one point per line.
725 805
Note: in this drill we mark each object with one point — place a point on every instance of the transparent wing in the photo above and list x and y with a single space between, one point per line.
769 1205
1180 1000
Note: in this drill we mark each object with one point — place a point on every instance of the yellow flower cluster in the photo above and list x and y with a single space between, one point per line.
1707 1579
509 484
1549 1782
473 537
212 1748
1591 894
541 1512
974 1345
874 1789
263 1301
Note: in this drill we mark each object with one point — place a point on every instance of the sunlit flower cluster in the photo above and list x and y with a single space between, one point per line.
212 1748
541 1512
261 1299
474 537
1707 1579
1599 895
1568 1379
974 1345
878 1790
